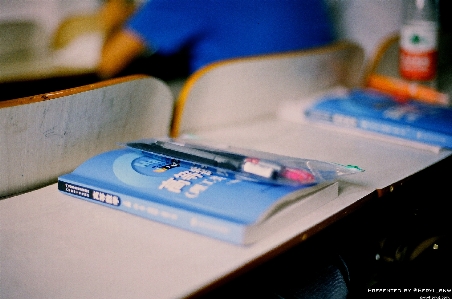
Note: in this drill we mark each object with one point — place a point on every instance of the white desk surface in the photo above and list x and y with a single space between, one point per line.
56 246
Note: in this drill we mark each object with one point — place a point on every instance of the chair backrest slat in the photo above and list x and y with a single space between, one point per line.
47 135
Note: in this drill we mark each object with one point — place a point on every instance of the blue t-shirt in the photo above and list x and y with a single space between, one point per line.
212 30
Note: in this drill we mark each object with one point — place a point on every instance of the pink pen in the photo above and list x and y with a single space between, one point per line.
298 175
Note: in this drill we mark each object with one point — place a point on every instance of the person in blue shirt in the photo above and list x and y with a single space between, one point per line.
213 30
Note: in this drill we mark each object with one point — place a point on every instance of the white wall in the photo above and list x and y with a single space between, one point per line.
367 22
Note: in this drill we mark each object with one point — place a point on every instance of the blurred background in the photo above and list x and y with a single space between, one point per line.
48 45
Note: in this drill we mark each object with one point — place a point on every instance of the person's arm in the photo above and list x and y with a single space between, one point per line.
114 13
118 51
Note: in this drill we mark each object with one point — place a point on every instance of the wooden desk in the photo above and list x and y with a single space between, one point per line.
55 246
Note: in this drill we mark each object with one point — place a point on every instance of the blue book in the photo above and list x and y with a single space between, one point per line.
190 197
374 112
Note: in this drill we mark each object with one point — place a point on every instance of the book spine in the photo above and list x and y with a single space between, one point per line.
189 220
380 126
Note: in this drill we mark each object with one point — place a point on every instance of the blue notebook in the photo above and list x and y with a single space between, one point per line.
374 112
191 198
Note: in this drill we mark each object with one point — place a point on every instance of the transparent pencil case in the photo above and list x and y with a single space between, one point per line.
244 164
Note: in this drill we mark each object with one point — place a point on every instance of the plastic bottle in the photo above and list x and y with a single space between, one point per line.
419 41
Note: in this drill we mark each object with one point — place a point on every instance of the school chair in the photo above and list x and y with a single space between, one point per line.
245 89
47 135
385 60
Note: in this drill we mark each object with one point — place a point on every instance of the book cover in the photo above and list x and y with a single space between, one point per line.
374 112
191 198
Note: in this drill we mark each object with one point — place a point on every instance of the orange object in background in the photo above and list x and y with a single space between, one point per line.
404 90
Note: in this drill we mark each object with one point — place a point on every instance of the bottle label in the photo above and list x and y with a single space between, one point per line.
418 51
